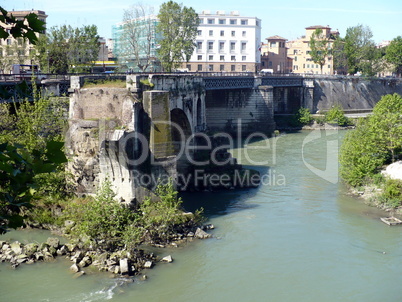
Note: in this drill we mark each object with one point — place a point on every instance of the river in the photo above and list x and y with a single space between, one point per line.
298 237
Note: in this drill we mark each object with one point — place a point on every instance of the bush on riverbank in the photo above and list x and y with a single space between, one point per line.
109 225
376 141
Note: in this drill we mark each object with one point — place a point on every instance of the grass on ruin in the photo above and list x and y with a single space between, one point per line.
104 83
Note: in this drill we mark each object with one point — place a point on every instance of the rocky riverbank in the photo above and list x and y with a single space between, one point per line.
120 262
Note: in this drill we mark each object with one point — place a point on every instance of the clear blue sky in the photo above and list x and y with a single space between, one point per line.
285 18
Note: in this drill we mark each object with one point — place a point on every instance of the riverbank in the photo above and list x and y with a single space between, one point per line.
119 262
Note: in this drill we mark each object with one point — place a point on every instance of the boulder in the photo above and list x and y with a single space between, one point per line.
74 268
53 242
78 274
167 259
200 234
16 247
148 264
85 261
30 248
125 267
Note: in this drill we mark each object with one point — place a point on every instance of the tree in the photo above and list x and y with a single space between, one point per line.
67 49
178 28
338 52
26 28
320 48
360 50
374 142
138 34
394 54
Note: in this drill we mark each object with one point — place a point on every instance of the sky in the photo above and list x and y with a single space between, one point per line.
284 18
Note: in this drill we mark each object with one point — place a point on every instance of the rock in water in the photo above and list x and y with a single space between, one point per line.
124 266
148 264
200 234
74 268
167 259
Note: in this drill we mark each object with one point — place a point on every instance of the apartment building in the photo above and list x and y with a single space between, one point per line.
17 51
226 43
299 51
274 55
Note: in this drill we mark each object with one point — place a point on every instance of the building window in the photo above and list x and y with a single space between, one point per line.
233 33
308 65
210 67
243 33
244 22
199 45
295 51
233 21
232 67
211 33
199 57
233 58
211 21
243 58
270 64
222 33
199 32
210 46
210 58
243 46
295 59
188 66
201 21
222 58
272 44
329 66
222 21
232 46
221 46
221 67
199 67
243 68
8 41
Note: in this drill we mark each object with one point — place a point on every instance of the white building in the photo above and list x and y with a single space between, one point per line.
226 42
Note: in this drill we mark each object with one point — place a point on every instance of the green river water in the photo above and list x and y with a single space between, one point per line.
298 237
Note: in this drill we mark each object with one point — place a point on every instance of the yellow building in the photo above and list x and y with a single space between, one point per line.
17 51
274 55
299 50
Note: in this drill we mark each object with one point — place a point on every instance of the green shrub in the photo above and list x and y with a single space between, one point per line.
392 192
101 219
304 116
336 115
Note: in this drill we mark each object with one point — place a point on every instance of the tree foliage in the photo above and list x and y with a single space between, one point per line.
320 48
67 49
18 183
375 141
360 50
178 28
26 28
138 34
394 54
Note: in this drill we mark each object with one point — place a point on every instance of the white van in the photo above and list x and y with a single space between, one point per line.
266 71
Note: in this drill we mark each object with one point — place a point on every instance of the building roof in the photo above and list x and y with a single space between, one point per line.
318 26
276 38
